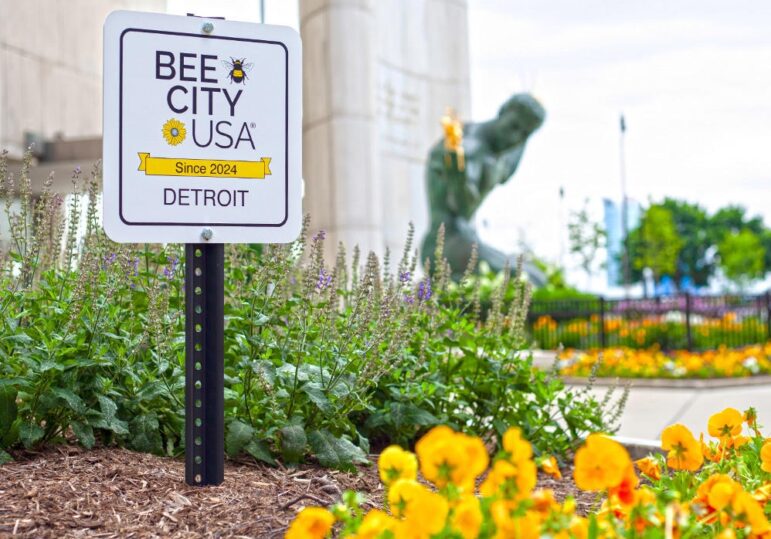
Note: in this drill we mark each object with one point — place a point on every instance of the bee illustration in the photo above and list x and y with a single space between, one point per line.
238 69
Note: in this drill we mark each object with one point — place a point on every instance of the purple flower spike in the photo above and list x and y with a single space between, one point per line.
169 271
324 280
424 290
108 260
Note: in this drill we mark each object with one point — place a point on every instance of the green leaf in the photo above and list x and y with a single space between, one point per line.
30 434
11 438
145 434
73 402
8 409
152 390
334 452
316 395
238 435
5 458
594 528
84 433
260 451
420 417
231 397
109 408
408 415
287 371
363 443
108 421
293 442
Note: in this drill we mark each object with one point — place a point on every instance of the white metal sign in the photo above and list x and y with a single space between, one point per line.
202 130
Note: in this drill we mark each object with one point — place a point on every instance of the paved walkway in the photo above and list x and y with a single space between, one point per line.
651 409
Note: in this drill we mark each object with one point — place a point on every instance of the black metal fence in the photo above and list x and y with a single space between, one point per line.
685 321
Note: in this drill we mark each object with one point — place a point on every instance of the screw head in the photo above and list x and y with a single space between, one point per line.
207 233
207 28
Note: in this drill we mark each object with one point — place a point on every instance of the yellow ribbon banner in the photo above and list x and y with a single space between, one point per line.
204 168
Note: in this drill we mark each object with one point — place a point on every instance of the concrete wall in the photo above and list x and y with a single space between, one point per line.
378 75
51 67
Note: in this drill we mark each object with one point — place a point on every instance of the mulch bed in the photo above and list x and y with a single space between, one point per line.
71 492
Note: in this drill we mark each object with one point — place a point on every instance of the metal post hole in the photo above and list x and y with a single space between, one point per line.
204 364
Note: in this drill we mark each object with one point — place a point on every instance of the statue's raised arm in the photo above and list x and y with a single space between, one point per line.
463 169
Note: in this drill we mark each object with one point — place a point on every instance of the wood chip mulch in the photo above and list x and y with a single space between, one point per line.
114 493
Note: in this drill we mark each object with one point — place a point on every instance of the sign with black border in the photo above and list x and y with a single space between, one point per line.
202 130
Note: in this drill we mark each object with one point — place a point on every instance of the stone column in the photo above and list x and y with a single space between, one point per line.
339 125
422 68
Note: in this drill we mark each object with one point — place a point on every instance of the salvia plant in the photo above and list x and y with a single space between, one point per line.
324 358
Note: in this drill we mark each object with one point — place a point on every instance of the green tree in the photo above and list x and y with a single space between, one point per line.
765 239
586 237
734 219
655 244
693 227
742 257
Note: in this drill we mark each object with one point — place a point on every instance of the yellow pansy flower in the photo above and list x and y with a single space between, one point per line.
427 512
509 526
649 467
550 466
765 456
311 523
467 517
401 495
512 481
449 457
374 524
725 424
684 452
747 507
600 463
517 447
396 463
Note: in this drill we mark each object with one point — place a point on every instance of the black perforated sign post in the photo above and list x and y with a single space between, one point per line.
204 364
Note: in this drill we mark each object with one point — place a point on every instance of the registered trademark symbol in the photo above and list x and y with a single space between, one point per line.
252 125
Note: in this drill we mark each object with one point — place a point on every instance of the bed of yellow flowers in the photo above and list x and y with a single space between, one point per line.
653 363
719 487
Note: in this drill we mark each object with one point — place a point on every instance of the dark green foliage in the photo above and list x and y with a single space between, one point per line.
693 227
319 358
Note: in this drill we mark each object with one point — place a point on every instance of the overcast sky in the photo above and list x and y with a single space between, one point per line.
692 77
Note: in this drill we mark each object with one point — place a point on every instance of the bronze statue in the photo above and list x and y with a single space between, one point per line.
462 170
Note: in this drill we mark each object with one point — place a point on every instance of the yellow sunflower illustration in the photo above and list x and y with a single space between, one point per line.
174 131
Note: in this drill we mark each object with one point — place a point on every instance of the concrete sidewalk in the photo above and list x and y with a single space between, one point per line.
653 405
650 410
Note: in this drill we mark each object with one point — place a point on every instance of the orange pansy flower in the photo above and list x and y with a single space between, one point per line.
684 452
600 464
725 424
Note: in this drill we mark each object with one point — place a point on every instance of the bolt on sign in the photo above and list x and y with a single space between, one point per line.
201 146
202 122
